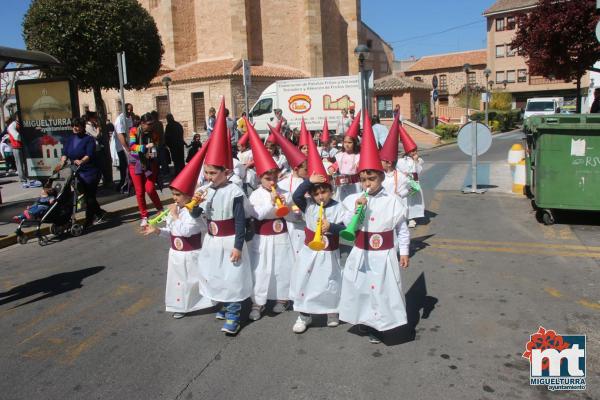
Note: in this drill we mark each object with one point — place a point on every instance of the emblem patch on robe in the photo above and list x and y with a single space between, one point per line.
213 228
178 243
376 241
277 226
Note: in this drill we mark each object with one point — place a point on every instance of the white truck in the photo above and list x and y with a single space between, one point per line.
543 106
313 99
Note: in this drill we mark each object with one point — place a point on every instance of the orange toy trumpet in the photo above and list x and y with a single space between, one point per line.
282 209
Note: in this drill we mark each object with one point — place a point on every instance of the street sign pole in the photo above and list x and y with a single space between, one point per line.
122 79
474 139
246 69
434 97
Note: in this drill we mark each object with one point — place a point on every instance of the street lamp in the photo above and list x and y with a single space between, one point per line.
166 81
362 52
467 69
487 72
505 82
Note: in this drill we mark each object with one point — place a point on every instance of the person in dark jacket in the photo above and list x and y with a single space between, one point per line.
596 103
175 143
194 147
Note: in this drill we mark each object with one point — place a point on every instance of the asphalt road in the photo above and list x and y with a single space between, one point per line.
84 318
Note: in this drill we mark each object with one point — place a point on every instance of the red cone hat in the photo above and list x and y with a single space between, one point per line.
294 156
244 139
263 161
187 179
272 135
369 156
407 142
315 164
354 129
219 154
304 135
325 134
389 151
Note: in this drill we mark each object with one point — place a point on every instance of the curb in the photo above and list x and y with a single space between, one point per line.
45 230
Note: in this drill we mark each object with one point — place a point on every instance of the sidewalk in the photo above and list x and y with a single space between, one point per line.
16 199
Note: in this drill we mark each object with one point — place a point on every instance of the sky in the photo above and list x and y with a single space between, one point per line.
410 26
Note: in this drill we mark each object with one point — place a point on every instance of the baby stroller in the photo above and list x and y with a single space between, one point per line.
61 214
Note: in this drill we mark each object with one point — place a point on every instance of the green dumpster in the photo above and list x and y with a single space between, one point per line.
563 158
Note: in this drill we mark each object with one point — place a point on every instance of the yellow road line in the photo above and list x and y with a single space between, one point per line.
517 244
589 304
516 251
553 292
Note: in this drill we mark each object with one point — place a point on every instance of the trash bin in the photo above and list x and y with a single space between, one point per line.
563 157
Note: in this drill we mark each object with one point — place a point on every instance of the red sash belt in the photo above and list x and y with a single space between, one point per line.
189 243
374 240
270 226
332 242
415 176
342 180
224 227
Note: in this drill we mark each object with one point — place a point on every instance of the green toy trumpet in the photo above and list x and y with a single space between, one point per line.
349 233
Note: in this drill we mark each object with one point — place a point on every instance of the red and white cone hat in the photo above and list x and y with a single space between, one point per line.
263 161
272 134
325 135
315 164
369 156
219 153
294 156
244 139
407 142
187 179
304 135
354 129
389 151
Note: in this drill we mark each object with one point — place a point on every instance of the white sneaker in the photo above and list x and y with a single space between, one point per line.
178 315
302 323
280 307
333 320
255 313
412 223
144 222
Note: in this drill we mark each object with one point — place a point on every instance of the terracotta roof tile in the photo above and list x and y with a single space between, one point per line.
394 83
451 60
507 5
226 68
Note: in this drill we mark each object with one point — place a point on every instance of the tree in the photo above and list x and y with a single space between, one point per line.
557 38
86 36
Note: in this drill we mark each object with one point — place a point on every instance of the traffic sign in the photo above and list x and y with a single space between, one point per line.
435 95
434 82
482 141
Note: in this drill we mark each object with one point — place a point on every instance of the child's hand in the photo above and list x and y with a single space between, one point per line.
403 261
173 211
198 197
149 229
316 178
361 201
331 170
235 256
325 226
415 156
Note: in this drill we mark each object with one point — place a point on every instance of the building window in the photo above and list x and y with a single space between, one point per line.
472 79
510 76
384 107
499 77
522 75
511 23
500 24
443 83
198 111
369 43
500 51
510 52
162 107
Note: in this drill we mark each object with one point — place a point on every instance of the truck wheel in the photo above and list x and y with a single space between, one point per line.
547 217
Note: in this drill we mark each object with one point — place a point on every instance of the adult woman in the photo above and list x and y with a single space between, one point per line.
143 167
80 149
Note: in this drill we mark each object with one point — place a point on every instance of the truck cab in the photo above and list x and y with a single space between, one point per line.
542 106
263 111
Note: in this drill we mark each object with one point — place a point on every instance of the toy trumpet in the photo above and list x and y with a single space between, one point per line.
413 186
282 209
349 233
160 218
203 191
317 244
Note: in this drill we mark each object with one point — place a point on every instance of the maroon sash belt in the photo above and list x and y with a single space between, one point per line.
270 226
342 180
332 242
374 240
224 227
189 243
415 176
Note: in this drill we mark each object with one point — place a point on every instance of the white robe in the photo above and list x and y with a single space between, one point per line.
371 285
295 219
220 279
415 201
347 164
250 177
317 277
272 255
182 292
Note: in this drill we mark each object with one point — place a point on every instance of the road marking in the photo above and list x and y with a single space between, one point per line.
43 315
589 304
528 251
553 292
518 244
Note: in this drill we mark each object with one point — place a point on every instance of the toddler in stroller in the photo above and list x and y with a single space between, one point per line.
41 205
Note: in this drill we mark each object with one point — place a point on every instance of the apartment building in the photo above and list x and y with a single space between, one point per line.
509 70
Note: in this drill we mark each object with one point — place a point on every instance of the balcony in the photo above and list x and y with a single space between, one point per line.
540 80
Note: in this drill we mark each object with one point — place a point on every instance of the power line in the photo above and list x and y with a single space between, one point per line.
438 33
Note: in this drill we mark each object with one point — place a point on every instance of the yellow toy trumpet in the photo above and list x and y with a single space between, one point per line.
282 209
203 191
317 244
